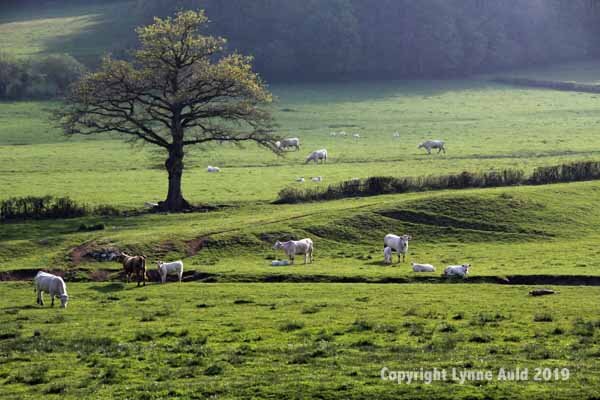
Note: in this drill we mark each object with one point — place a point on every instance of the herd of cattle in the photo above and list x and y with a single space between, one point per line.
321 154
136 266
391 243
132 265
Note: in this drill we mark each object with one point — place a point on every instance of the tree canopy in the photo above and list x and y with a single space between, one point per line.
179 90
322 39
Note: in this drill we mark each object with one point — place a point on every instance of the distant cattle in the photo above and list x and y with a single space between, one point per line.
398 243
422 267
133 265
294 247
53 285
288 143
316 156
433 144
210 168
457 270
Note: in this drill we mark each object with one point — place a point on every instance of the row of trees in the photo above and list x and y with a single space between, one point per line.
293 39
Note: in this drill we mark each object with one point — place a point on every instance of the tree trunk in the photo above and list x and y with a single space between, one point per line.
174 165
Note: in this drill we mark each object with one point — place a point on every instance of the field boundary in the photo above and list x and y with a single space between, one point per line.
578 171
546 84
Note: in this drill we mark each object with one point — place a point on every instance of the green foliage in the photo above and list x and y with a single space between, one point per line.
40 208
49 207
59 71
44 78
570 172
401 38
378 185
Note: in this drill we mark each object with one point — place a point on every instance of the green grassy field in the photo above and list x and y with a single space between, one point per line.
485 127
292 341
82 31
230 331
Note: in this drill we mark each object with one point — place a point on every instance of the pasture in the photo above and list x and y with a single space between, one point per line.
232 329
292 341
485 126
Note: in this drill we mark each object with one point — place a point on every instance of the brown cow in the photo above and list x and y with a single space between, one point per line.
133 265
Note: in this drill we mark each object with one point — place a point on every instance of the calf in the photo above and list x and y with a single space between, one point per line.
171 267
422 267
387 255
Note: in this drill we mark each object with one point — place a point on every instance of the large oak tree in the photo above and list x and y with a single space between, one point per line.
180 89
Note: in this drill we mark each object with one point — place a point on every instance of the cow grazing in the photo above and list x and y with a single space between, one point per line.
433 144
398 243
133 265
457 270
387 255
422 267
356 136
288 143
317 179
293 247
300 180
165 269
210 168
53 285
396 135
316 156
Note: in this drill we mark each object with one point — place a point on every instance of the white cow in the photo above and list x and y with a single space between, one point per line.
333 134
317 179
301 179
213 169
342 133
387 255
171 267
316 156
287 143
433 144
356 136
53 285
396 135
422 267
398 243
457 270
293 247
